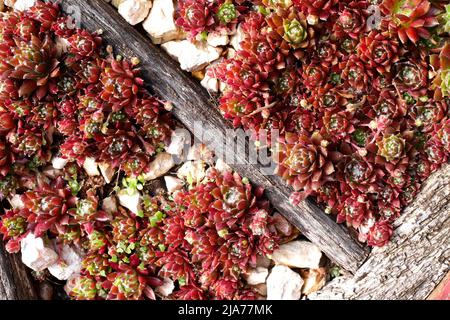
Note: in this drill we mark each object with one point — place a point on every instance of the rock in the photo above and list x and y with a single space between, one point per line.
166 288
16 202
192 57
210 84
68 264
160 166
298 254
91 167
192 171
222 86
217 39
173 184
107 171
130 201
314 280
237 38
134 11
59 163
284 284
221 166
256 276
231 53
160 23
22 5
178 141
109 204
35 254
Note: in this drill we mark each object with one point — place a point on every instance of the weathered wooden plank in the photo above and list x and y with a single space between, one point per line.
193 104
417 259
15 281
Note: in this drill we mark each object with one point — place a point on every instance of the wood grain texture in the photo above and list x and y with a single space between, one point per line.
416 260
15 280
193 104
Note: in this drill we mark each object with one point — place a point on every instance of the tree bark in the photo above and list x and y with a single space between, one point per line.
15 280
416 260
193 105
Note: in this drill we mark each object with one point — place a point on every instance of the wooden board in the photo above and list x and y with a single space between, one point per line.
15 280
193 104
417 259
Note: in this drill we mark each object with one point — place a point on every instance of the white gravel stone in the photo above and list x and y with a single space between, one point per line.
160 23
68 264
314 280
192 57
210 84
22 5
173 184
237 38
166 288
91 167
284 284
107 171
216 39
160 166
178 142
298 254
59 163
256 276
130 201
37 255
134 11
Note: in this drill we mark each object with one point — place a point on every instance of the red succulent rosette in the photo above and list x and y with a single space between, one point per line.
380 234
410 20
355 73
317 9
304 162
351 19
379 51
195 16
354 210
291 28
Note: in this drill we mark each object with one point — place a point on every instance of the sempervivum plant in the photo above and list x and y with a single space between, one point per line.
204 16
359 99
411 20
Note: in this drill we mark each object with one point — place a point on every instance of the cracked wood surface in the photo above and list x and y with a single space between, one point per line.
15 280
417 259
